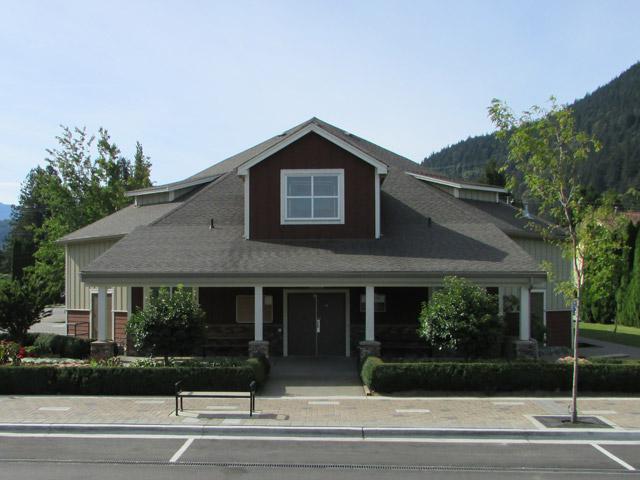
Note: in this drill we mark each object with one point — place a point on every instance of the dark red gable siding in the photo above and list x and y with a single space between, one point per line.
312 152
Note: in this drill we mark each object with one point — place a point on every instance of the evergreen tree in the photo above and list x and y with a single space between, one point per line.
629 299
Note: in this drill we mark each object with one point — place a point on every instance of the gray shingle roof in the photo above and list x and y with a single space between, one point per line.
456 241
510 220
425 231
121 222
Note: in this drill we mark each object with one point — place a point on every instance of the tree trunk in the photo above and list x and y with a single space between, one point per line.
574 389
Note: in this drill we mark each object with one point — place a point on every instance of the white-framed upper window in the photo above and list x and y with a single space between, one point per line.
312 196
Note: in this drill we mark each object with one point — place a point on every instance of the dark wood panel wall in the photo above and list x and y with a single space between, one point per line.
219 304
403 305
312 152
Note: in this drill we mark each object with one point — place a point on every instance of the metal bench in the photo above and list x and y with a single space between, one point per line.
250 394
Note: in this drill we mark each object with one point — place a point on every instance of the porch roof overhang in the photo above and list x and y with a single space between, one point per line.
320 279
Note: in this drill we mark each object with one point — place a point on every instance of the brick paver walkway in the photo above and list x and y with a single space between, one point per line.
484 412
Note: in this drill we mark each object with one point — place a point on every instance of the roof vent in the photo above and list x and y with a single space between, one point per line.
211 226
428 221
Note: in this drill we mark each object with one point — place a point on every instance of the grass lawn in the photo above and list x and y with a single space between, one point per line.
624 335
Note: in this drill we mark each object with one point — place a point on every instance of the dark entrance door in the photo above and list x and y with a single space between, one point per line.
316 323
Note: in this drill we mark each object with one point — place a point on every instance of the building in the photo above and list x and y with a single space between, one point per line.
314 242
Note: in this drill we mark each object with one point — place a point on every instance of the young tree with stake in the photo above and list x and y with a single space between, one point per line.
545 154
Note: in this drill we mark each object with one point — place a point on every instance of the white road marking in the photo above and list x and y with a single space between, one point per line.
599 412
181 450
508 404
412 410
150 402
323 403
54 409
613 457
221 407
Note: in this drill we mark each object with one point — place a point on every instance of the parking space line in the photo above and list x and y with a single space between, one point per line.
613 457
181 450
323 403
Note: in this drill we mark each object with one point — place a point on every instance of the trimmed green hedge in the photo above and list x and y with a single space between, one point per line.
497 377
126 380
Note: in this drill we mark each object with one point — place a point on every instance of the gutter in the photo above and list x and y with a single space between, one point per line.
63 241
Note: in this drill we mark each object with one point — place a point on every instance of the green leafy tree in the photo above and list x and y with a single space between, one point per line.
604 235
21 306
462 317
169 324
546 153
84 180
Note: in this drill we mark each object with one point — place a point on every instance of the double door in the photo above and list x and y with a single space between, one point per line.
316 324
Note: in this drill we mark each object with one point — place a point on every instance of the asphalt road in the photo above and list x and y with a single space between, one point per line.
170 458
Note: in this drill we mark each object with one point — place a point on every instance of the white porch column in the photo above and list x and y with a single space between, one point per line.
102 314
369 313
500 301
525 314
258 307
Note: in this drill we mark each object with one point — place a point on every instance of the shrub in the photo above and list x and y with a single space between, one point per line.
492 377
74 347
126 380
68 347
168 325
367 369
20 308
462 317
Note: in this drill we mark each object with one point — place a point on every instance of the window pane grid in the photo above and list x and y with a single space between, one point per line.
321 179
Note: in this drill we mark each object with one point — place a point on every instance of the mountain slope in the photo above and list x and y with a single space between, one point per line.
5 211
611 113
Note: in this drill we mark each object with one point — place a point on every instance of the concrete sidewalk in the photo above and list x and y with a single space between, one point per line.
342 411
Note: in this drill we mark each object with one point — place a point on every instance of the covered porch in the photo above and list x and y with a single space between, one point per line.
311 318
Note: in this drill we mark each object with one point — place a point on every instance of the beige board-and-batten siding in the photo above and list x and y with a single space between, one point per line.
78 293
467 194
479 195
542 251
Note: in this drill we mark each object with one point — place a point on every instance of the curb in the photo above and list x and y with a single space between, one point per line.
361 433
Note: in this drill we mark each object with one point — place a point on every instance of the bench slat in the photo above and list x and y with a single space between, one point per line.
215 394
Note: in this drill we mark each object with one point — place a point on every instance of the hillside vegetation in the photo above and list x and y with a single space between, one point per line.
611 113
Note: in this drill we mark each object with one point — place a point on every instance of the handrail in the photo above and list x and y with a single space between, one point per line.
75 327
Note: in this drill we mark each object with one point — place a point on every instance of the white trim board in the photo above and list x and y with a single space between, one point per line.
380 167
454 184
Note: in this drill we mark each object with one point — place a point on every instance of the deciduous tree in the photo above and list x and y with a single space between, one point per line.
546 152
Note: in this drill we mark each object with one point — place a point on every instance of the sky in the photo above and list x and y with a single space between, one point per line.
198 81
